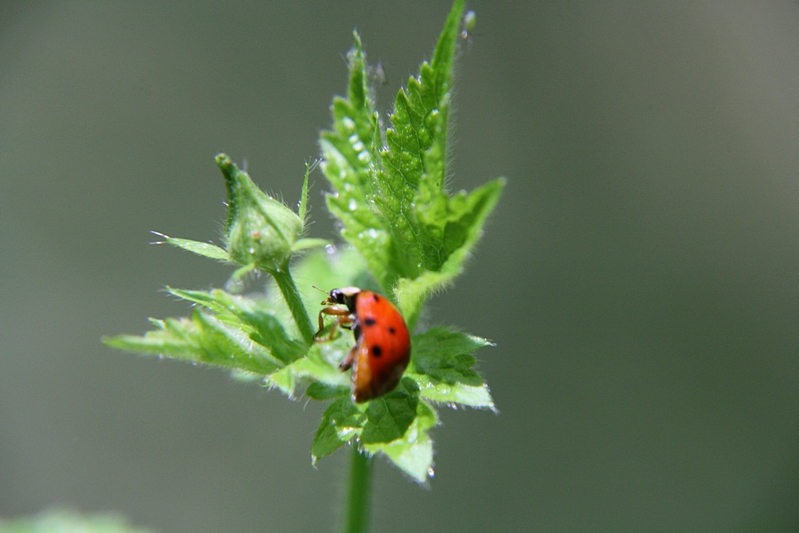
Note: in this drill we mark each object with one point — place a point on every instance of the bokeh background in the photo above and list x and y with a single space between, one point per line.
640 276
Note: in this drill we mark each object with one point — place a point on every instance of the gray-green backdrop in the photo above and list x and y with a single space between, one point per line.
640 277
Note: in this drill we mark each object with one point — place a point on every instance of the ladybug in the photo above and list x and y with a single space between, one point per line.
382 343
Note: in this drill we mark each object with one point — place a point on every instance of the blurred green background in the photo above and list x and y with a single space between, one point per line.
640 276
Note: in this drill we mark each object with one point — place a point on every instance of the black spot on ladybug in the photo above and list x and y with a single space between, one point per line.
376 297
392 330
369 321
377 351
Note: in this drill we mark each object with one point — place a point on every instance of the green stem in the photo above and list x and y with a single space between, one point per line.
360 492
294 301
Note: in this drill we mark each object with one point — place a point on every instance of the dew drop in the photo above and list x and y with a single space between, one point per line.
348 123
359 146
352 205
234 285
330 249
431 472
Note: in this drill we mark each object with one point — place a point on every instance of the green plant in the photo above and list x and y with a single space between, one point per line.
66 521
408 238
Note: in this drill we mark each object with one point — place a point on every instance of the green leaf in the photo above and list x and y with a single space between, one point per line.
396 425
200 248
209 300
415 155
262 326
201 339
389 416
269 332
390 198
442 367
458 225
307 244
413 453
342 420
351 155
302 210
320 364
251 335
321 391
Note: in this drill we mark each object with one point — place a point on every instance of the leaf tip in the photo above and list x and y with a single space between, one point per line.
163 236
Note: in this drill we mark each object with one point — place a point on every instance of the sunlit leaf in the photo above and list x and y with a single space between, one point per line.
341 421
413 453
204 249
390 198
443 368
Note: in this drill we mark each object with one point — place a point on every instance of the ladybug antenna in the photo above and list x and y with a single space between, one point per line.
318 289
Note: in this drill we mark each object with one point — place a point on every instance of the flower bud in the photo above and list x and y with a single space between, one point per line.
259 229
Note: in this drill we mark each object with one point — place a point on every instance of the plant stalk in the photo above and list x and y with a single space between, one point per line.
360 493
292 296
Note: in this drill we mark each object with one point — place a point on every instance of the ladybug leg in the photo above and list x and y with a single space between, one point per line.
347 362
343 319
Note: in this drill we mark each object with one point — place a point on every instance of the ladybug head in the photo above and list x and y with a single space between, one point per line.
345 296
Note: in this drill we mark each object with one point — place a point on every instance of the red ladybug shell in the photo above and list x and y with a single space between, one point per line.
383 346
